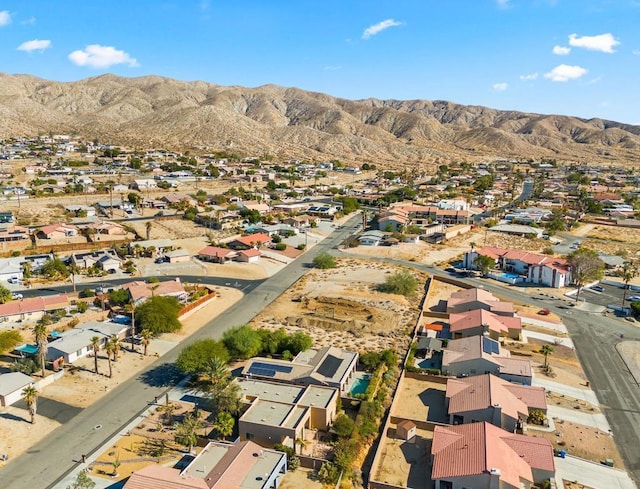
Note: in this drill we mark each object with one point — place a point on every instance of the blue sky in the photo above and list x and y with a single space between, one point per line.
572 57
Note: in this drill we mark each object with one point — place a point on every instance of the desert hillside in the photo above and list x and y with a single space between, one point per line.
288 122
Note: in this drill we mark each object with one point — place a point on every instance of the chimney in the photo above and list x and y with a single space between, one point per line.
497 415
495 478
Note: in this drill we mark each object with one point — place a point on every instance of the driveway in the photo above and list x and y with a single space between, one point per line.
595 420
591 474
554 340
581 394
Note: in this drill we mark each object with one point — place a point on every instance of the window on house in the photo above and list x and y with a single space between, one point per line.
446 485
250 436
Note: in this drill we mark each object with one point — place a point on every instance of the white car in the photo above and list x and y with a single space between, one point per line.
633 298
17 295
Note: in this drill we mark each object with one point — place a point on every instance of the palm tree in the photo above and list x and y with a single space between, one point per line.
73 270
629 272
42 342
109 348
30 394
146 339
131 307
117 344
95 346
546 350
224 424
147 227
186 431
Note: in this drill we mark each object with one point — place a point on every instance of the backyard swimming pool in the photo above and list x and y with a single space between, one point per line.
360 384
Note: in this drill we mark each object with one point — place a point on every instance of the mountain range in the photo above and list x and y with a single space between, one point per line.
153 111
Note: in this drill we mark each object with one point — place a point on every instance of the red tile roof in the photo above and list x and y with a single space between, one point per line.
34 304
484 391
480 448
216 252
143 290
159 477
463 321
253 239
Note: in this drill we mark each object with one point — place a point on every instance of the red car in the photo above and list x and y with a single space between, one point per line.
544 312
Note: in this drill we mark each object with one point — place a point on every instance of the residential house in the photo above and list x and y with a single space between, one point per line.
107 260
299 222
492 399
252 205
280 413
478 355
250 241
471 299
531 267
517 230
248 256
159 246
242 465
33 308
75 343
371 238
328 366
11 386
216 254
482 322
57 231
176 199
10 268
322 210
178 256
141 291
279 229
106 229
142 184
13 233
483 456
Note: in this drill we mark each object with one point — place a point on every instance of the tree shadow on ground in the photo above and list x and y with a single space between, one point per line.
165 375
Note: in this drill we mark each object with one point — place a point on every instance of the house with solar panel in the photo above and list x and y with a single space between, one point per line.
329 366
477 355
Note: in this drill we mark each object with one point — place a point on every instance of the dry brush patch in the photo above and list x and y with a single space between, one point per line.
341 307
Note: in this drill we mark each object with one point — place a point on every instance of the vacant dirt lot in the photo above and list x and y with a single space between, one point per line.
405 463
581 441
342 307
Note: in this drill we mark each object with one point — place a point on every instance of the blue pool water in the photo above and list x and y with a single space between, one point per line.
510 275
29 349
360 385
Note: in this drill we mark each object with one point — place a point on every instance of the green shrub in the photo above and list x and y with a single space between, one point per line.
401 283
281 246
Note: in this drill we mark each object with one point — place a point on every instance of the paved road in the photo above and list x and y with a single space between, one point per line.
57 454
595 337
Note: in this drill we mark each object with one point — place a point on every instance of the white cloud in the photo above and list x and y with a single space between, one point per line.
603 42
35 45
636 52
597 79
500 87
503 4
563 73
30 21
561 50
371 31
5 18
97 56
529 77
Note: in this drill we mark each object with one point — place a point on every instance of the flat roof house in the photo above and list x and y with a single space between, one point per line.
489 398
243 465
11 386
280 413
328 366
76 343
483 456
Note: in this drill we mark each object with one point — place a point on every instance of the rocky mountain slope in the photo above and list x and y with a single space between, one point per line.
288 122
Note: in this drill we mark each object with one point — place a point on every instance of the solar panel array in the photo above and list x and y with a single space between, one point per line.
268 369
490 346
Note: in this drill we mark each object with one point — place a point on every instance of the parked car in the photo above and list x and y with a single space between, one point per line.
13 280
17 295
597 288
633 298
